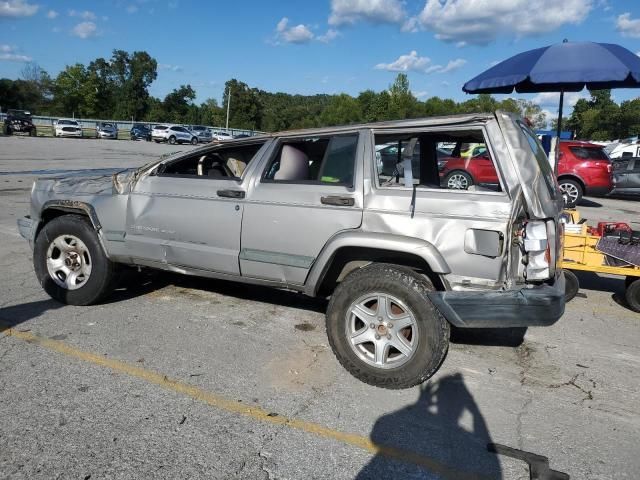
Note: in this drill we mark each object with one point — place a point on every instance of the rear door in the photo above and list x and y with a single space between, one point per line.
308 189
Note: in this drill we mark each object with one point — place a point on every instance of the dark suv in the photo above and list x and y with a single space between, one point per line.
19 121
140 130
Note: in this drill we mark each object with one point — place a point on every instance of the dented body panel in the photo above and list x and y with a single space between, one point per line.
288 235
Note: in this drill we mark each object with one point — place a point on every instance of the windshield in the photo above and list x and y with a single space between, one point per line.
67 122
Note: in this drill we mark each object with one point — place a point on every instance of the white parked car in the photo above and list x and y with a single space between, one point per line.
173 134
67 128
221 136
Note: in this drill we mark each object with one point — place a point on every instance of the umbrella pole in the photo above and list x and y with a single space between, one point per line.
558 131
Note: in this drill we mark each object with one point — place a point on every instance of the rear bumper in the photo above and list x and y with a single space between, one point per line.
528 307
597 191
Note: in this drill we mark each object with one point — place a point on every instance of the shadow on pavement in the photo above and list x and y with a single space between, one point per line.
136 284
490 337
432 429
589 203
17 314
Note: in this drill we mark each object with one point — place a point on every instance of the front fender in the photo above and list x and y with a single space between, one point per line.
380 241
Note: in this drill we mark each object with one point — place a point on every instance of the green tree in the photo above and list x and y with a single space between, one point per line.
246 110
342 110
177 105
402 103
132 75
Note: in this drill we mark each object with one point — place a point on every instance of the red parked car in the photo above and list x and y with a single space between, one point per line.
583 169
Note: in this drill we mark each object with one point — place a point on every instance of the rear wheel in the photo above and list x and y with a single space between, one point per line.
632 295
572 189
33 132
458 180
70 263
172 140
384 330
7 130
571 285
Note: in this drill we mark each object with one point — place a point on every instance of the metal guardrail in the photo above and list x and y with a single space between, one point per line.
124 125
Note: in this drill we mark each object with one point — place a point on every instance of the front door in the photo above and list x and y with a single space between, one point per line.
309 189
190 212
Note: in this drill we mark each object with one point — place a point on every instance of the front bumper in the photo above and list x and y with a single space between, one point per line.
528 307
107 135
61 133
26 227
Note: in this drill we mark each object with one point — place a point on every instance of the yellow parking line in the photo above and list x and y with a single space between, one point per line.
239 408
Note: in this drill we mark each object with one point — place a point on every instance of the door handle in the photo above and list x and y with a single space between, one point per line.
340 201
231 193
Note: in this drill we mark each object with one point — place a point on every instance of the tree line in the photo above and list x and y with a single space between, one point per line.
118 88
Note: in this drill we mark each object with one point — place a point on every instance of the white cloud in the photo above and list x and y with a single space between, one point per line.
481 21
552 99
627 26
85 15
8 54
420 94
452 66
374 11
17 8
173 68
51 14
132 9
85 30
407 63
329 36
297 34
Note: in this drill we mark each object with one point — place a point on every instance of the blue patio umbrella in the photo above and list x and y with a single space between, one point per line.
562 67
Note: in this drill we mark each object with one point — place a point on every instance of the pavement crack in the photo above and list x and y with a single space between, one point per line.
572 383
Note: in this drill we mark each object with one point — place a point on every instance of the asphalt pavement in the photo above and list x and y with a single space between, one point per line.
180 377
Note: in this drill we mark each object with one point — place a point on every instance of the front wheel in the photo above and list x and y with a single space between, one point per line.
573 191
70 263
384 330
458 180
194 141
172 140
7 130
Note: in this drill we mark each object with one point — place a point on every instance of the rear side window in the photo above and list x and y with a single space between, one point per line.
452 160
328 160
589 153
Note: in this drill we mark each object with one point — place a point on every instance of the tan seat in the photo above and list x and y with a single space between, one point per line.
294 164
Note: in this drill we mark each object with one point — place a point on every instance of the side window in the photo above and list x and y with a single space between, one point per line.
455 160
328 160
222 163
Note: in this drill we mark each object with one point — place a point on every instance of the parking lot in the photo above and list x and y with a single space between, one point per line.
179 377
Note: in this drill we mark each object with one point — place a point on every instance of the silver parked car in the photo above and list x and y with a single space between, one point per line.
107 130
172 135
400 256
203 133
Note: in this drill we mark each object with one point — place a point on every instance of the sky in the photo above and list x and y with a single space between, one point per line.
309 47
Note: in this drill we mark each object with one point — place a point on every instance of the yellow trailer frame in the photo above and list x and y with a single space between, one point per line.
580 253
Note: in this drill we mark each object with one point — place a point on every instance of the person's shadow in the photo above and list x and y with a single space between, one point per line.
442 435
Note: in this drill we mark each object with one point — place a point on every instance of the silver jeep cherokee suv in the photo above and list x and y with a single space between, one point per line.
400 256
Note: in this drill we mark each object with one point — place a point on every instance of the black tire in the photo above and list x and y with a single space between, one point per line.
7 130
461 173
100 281
172 140
157 141
33 132
632 295
571 286
568 185
411 289
194 141
629 280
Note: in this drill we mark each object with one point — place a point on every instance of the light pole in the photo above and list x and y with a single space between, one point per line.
228 105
